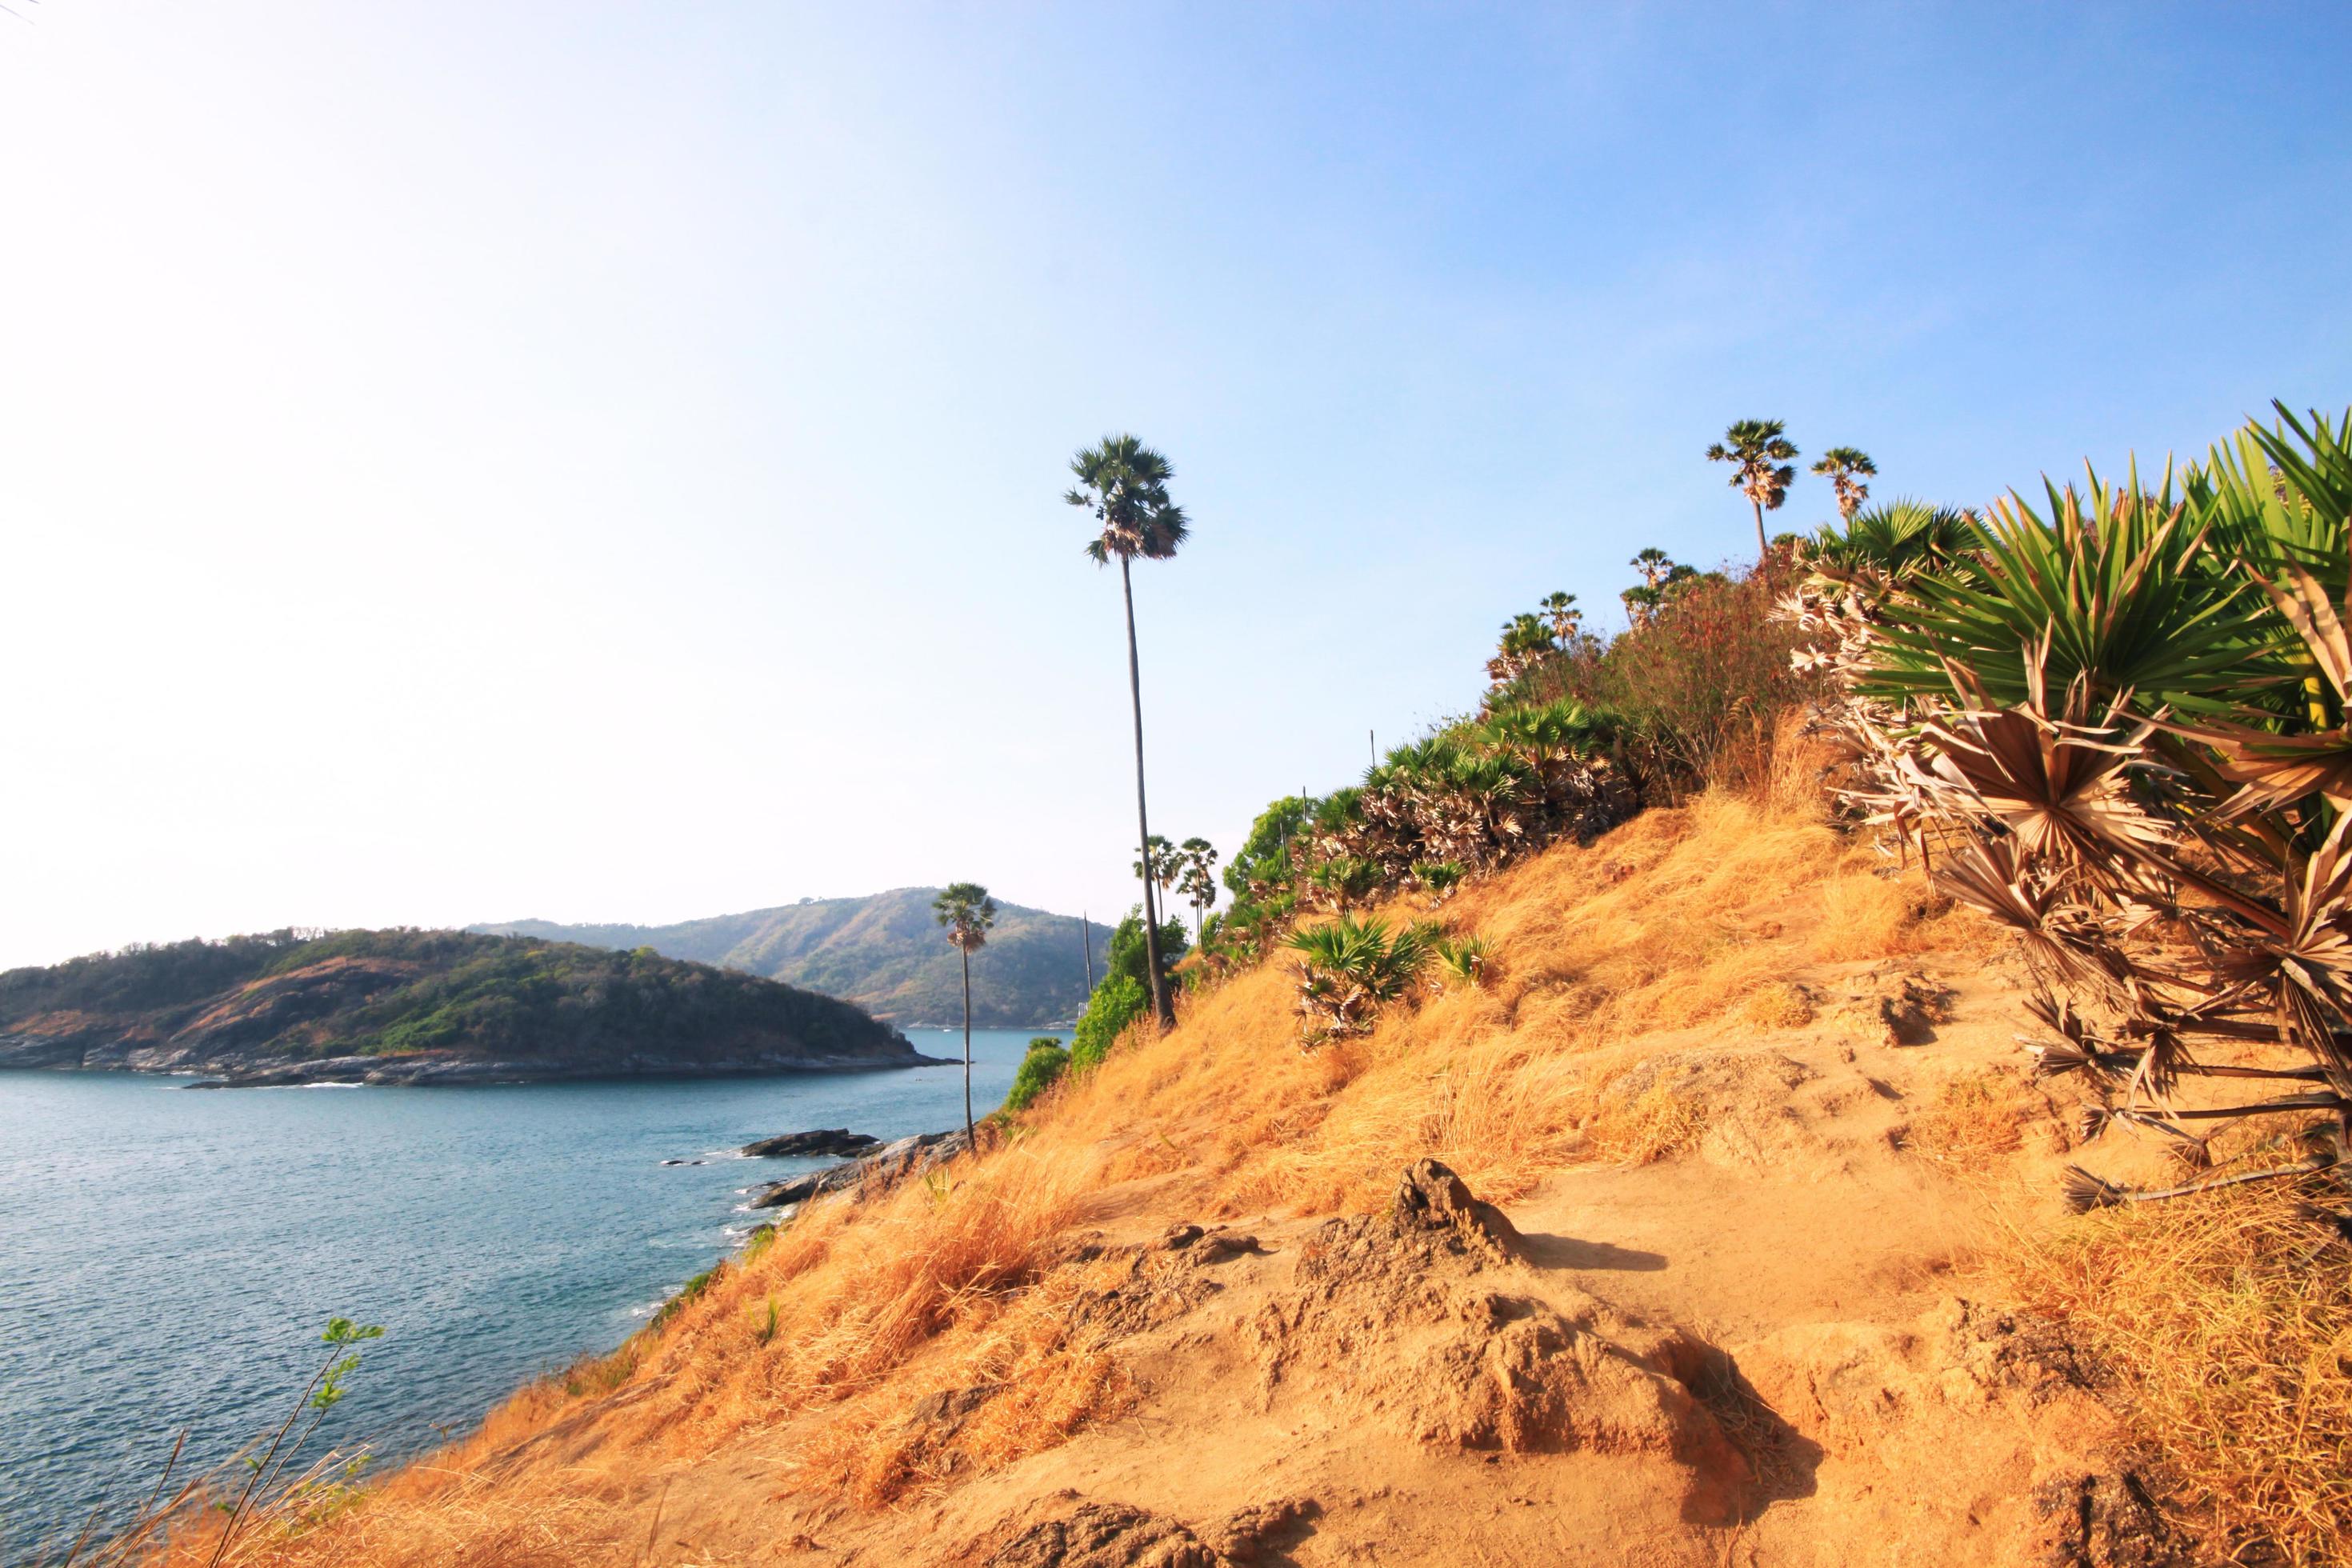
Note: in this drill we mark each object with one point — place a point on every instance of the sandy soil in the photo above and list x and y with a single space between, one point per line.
1760 1351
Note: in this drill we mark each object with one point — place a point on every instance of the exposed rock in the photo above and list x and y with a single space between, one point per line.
1181 1236
2104 1520
1077 1534
1408 1315
1897 1010
838 1143
1431 1196
947 1410
877 1172
1250 1534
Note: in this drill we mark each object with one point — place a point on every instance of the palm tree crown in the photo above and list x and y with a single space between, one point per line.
1124 483
1166 863
967 910
1841 466
1761 451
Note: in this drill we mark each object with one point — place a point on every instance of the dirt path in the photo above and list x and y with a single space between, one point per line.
1758 1352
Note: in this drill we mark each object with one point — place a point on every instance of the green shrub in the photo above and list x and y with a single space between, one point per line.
1118 1002
1127 955
1039 1071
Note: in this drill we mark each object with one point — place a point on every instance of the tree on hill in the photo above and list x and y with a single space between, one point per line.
1164 866
1844 466
1197 880
1661 574
1760 451
1121 997
1525 640
1566 620
967 910
1124 484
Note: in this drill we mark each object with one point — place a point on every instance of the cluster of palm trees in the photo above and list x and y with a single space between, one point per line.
1188 869
2116 721
1123 485
1461 801
1763 467
1554 626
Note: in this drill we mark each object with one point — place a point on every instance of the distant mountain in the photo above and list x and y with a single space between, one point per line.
422 1006
885 953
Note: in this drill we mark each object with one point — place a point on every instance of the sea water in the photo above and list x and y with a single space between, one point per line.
169 1256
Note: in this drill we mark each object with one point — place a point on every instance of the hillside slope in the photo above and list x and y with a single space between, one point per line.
1742 1097
409 1007
883 952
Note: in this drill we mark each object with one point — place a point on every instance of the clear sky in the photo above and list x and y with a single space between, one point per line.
591 461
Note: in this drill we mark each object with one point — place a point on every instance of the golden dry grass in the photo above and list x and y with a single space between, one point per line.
1973 1120
827 1335
2228 1320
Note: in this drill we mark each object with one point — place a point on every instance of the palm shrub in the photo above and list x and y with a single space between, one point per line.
1464 960
1439 877
1894 540
1349 968
2119 727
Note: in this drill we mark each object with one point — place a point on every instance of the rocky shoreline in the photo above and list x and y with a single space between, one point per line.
416 1070
891 1164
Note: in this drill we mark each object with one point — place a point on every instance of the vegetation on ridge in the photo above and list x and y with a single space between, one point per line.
2121 727
290 997
880 951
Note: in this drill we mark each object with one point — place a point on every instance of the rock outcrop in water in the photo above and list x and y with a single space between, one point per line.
423 1007
838 1143
888 1165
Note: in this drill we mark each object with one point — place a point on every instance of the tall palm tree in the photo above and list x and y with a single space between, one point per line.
1198 880
1124 484
1841 466
967 910
1559 609
1761 450
1651 563
1163 866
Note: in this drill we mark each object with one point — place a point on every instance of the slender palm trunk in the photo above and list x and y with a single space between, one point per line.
1161 1008
1762 549
971 1143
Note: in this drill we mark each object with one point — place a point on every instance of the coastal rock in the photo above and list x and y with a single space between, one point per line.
885 1168
838 1143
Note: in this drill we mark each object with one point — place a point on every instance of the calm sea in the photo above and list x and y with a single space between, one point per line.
168 1258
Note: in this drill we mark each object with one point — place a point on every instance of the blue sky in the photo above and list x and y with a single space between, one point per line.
462 462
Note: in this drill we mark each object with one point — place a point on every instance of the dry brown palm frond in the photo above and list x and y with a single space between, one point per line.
2084 1191
2064 935
2061 788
